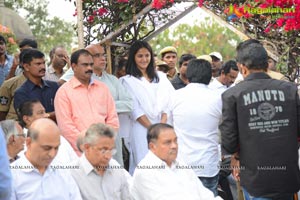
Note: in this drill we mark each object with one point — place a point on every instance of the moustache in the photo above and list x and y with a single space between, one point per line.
89 72
42 70
173 151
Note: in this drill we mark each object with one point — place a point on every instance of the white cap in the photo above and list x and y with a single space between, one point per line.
217 54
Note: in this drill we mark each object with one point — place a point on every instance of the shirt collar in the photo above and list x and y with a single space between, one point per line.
76 83
156 161
197 85
25 165
31 85
217 83
88 167
51 70
257 75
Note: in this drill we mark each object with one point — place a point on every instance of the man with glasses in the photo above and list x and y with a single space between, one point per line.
59 60
83 101
122 98
98 176
15 138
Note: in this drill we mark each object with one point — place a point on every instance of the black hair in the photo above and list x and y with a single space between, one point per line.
21 55
28 42
227 66
26 109
131 67
199 71
247 42
30 54
121 63
76 54
155 129
253 56
185 57
2 39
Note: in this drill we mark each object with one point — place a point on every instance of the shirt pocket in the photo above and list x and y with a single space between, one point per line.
117 194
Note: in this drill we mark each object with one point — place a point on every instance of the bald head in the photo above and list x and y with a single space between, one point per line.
99 57
42 143
41 127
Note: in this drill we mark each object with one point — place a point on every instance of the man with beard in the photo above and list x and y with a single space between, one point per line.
161 176
82 100
59 60
35 87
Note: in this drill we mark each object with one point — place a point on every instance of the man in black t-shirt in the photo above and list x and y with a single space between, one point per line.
261 123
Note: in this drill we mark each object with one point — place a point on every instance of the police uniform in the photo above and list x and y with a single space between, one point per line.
7 92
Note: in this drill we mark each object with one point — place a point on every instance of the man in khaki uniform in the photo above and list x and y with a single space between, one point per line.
7 92
169 55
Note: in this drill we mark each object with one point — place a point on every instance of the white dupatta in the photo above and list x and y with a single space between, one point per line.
154 99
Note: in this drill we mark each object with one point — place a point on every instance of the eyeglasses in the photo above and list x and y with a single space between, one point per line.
107 151
99 55
21 135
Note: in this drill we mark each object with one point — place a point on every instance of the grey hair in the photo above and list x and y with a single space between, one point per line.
98 130
9 128
33 134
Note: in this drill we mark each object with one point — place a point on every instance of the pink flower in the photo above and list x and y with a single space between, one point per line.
102 11
200 3
90 19
158 4
267 30
11 40
280 22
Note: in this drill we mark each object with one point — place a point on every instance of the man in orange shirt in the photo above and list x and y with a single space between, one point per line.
83 101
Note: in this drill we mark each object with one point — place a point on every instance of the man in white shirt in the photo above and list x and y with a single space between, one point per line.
160 176
35 176
228 74
97 174
196 111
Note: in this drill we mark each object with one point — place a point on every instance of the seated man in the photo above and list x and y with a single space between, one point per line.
160 176
98 175
15 138
34 174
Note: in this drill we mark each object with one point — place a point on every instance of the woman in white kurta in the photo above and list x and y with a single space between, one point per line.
151 91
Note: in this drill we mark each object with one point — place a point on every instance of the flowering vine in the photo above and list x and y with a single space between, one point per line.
10 38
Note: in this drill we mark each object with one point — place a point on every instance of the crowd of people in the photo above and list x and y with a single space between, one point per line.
209 129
